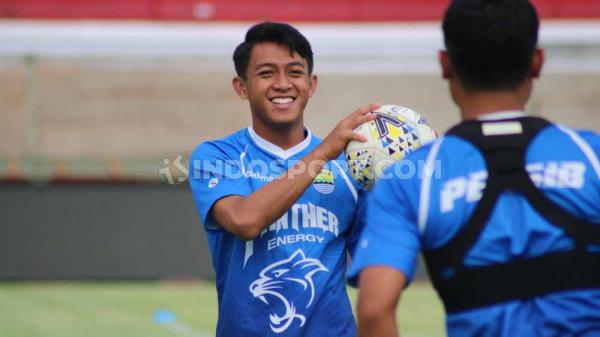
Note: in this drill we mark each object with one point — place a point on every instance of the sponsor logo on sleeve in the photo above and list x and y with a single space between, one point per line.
213 183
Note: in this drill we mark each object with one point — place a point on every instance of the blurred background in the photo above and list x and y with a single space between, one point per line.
99 101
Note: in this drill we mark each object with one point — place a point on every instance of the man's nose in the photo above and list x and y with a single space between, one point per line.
282 82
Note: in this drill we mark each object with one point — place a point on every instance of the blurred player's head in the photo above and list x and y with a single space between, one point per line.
274 73
491 44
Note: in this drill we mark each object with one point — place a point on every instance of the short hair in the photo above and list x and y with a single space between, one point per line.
491 43
279 33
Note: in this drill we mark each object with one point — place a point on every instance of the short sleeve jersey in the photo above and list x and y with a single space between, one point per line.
431 194
289 281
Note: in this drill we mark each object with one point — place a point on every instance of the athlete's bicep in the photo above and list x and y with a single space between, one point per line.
213 177
225 212
390 237
380 290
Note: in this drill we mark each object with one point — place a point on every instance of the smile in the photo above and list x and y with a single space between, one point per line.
282 100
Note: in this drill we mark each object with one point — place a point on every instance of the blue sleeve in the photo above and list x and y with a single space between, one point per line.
391 235
592 138
214 175
358 223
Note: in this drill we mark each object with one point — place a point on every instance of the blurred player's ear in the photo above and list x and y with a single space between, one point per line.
445 64
239 85
314 79
538 62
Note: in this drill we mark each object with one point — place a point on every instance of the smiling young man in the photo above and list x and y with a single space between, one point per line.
277 206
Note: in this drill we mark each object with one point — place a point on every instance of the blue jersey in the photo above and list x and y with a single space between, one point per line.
289 281
407 213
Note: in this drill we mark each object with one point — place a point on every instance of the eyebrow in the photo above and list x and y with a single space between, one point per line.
268 64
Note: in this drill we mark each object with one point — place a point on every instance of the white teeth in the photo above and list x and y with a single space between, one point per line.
282 100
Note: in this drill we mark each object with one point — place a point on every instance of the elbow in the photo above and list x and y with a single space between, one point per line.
374 315
247 234
246 228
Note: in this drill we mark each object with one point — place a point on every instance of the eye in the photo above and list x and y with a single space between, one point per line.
265 73
277 273
296 72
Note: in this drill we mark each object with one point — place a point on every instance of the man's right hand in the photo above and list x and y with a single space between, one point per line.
337 140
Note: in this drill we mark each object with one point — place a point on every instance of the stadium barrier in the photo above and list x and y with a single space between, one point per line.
256 10
99 230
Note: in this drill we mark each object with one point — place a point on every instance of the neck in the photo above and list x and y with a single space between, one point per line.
284 137
473 104
485 103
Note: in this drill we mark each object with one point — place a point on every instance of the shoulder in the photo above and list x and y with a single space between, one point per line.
592 138
228 147
447 150
419 171
446 146
569 142
403 179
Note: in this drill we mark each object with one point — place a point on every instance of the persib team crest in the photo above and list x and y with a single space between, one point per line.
324 182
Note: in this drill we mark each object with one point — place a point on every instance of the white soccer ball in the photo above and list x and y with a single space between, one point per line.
395 132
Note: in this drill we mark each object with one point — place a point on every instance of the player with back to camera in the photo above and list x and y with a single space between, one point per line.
277 207
507 211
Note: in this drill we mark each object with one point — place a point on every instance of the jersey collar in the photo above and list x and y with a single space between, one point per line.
276 150
499 115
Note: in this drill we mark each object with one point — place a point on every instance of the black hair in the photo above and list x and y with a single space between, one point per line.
279 33
491 43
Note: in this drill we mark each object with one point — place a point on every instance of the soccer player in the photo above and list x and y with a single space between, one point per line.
506 207
277 206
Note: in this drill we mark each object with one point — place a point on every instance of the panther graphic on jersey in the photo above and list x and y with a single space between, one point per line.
295 270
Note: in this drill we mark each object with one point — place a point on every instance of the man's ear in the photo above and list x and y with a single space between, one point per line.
239 85
314 79
538 62
445 65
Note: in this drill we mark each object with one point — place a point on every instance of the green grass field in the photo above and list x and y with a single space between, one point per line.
127 310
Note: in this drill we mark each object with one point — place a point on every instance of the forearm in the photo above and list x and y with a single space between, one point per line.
271 201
